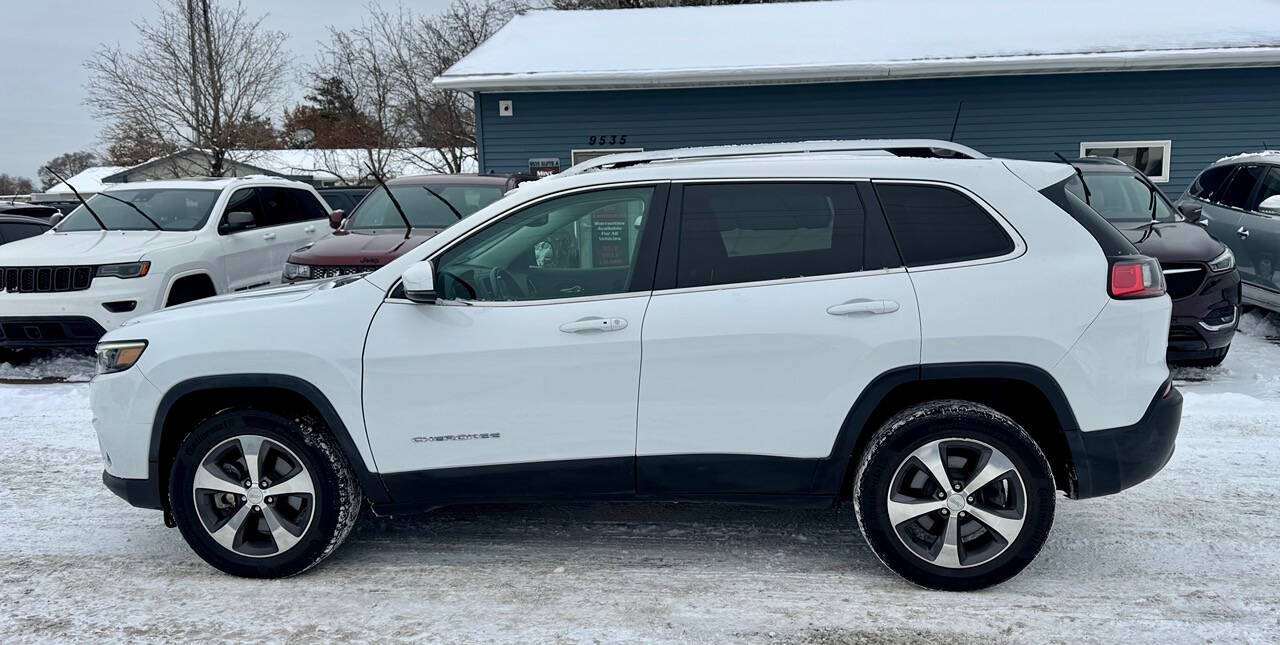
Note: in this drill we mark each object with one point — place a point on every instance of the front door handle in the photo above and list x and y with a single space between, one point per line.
268 236
1242 232
863 306
589 325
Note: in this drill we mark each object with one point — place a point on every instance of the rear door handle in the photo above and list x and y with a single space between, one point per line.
1242 232
589 325
268 236
863 306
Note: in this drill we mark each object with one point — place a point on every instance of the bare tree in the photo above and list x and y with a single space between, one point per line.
11 185
67 165
201 74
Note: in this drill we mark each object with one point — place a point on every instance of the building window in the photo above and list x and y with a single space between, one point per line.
588 154
1150 157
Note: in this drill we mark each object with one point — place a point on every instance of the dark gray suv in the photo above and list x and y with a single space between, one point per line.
1238 200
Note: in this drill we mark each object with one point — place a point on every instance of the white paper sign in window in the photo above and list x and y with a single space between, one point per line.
1150 157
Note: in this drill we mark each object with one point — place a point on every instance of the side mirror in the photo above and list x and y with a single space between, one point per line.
1192 211
237 221
1270 206
336 217
419 283
55 219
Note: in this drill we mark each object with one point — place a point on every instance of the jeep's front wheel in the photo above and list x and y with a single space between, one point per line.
260 495
954 495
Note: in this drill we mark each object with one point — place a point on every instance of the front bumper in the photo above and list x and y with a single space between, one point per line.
67 318
1205 322
1109 461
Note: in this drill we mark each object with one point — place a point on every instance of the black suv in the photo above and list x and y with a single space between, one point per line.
1199 270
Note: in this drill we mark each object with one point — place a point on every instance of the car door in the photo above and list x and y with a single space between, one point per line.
247 255
1260 232
292 219
514 384
1198 205
1230 224
777 303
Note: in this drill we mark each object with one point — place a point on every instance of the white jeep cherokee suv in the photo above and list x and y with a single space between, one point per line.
943 342
159 243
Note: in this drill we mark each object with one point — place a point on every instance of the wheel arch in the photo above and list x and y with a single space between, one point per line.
194 275
1026 393
191 401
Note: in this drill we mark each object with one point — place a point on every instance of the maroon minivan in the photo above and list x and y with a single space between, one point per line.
375 233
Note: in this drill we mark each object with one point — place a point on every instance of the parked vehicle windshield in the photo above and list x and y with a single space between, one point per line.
1122 197
422 208
173 209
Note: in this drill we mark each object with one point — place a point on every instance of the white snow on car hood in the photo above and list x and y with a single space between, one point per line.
89 247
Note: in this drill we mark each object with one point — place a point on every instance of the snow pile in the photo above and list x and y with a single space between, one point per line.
72 367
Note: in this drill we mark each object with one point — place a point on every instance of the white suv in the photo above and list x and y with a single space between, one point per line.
157 244
943 342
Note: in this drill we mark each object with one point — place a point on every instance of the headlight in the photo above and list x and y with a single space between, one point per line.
126 270
297 271
119 356
1224 262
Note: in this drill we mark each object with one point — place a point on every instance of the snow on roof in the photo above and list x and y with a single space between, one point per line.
865 40
1261 155
86 181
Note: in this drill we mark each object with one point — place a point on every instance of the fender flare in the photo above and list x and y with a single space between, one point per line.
831 470
370 481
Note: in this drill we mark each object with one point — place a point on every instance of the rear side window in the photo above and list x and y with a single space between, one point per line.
733 233
1239 187
939 225
12 232
1112 241
308 205
280 206
1209 181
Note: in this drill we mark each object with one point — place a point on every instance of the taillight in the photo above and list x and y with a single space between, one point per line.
1136 277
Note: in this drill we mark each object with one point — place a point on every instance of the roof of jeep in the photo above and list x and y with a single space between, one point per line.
835 165
205 183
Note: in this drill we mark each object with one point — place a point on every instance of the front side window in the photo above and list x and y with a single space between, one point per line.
1151 158
423 208
1239 188
244 200
1209 181
736 233
568 247
1123 197
168 209
940 225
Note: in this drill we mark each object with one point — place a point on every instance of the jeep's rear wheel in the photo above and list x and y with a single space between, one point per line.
954 495
260 495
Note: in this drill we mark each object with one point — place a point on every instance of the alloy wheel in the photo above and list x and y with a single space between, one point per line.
254 496
957 502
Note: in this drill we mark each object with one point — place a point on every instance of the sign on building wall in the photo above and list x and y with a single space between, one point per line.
544 167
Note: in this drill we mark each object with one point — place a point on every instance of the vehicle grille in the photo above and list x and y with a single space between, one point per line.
339 270
1183 280
1180 333
45 279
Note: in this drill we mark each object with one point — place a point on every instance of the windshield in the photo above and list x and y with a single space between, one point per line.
420 206
1122 197
174 209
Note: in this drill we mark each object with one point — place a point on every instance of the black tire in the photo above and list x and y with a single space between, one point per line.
960 430
1212 360
332 508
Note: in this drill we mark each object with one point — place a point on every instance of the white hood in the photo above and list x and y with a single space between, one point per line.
89 247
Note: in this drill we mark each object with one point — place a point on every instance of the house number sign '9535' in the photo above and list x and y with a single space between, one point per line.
607 140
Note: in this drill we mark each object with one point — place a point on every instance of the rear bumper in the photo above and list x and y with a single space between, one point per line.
142 493
1109 461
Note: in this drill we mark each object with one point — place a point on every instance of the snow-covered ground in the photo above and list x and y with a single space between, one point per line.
1191 555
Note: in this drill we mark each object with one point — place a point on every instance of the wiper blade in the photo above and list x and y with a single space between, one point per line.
134 207
1080 174
84 203
446 202
408 226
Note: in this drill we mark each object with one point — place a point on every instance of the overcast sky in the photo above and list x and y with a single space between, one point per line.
46 42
